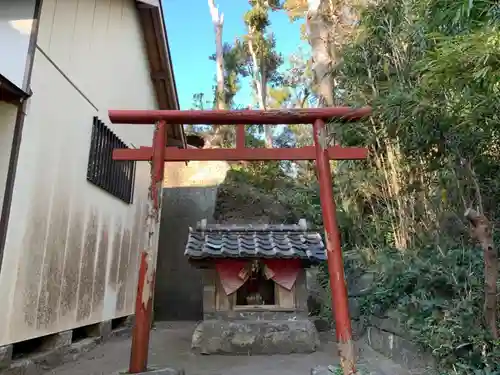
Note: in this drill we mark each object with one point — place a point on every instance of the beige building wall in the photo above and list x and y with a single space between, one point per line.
71 251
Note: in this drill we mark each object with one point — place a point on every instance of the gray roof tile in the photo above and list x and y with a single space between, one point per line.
257 241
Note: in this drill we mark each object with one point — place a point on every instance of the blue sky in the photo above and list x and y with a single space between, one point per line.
192 41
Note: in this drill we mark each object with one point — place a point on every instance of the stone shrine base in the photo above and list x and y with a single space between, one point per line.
251 337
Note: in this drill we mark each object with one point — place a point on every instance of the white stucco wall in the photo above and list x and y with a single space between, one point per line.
72 249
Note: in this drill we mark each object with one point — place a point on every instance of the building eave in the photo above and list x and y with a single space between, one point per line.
160 61
10 93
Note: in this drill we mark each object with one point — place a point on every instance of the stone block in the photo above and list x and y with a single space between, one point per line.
78 348
104 329
5 356
393 322
255 315
56 341
247 337
354 308
361 285
101 330
358 328
22 367
397 348
48 359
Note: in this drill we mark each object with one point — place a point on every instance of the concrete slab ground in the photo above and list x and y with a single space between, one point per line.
171 347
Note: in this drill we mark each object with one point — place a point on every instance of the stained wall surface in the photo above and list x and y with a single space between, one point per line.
189 195
71 251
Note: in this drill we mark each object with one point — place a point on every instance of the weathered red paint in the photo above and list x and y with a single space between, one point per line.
250 154
241 117
142 329
158 159
147 270
320 152
340 305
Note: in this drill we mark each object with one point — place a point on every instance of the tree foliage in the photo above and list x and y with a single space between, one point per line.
430 69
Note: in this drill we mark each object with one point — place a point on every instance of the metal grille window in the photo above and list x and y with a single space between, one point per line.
116 177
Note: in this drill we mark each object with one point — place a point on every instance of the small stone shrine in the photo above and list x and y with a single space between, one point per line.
254 287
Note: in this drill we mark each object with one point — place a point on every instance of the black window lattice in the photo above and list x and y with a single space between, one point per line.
116 177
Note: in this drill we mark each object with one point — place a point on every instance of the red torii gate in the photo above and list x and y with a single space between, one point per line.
159 153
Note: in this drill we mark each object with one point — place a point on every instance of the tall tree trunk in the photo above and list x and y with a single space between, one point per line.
257 79
481 232
218 135
218 21
260 84
268 130
318 32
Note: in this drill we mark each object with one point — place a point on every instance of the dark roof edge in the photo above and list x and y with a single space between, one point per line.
167 91
302 226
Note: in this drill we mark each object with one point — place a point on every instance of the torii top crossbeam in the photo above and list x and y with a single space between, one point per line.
239 117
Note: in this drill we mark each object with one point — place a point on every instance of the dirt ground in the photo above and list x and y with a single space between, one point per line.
170 346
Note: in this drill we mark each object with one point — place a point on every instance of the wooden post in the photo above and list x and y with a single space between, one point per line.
340 305
147 270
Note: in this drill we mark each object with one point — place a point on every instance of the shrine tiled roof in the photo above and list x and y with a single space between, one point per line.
255 241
